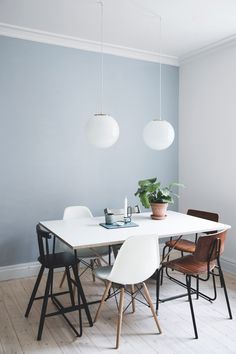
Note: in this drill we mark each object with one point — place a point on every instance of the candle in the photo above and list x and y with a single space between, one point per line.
125 207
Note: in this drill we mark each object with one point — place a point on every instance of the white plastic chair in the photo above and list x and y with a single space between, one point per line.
76 212
136 261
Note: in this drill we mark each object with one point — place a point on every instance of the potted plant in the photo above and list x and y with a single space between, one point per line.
152 195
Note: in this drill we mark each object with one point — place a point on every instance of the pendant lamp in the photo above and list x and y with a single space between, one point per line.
102 130
159 134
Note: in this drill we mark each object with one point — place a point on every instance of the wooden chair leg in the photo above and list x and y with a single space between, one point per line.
74 290
132 298
149 300
99 262
62 279
120 317
104 296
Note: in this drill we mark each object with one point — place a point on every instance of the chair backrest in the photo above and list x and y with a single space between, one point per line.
43 237
208 248
204 215
135 210
137 260
76 212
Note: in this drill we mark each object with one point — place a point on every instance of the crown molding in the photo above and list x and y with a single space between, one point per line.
211 48
84 44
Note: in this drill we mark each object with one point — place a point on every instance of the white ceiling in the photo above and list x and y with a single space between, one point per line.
187 25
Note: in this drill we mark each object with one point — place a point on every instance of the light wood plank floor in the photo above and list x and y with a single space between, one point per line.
217 334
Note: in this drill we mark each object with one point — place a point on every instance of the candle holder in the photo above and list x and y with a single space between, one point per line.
127 219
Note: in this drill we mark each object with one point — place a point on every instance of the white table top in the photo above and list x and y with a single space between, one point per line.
86 232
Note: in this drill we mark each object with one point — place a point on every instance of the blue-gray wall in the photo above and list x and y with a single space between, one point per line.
47 93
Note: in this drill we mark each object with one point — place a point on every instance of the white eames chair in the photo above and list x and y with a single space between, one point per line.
95 254
76 212
137 260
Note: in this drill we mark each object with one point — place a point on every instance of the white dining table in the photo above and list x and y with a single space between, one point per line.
87 232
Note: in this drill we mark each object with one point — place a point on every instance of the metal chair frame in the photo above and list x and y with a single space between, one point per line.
191 212
216 247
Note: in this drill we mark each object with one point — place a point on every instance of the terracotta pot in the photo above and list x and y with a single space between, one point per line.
159 210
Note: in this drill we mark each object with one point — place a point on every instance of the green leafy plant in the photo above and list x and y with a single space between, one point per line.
150 191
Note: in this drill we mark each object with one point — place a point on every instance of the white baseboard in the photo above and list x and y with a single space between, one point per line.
228 265
19 270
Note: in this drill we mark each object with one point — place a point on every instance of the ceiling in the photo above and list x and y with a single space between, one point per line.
187 25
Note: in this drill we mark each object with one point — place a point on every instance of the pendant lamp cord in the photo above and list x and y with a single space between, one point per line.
160 68
101 55
154 14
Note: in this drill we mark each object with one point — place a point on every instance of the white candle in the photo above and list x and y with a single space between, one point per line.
125 207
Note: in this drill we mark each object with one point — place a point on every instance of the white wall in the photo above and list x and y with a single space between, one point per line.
207 138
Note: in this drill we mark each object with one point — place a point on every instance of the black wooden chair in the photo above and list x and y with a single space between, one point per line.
51 260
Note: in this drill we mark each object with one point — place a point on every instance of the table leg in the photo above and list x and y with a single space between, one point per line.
109 255
81 293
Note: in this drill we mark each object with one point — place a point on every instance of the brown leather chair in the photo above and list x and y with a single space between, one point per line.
184 245
202 262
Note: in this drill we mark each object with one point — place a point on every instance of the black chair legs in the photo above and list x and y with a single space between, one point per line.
162 269
81 293
197 287
49 294
45 303
70 286
188 284
75 271
34 292
222 281
159 274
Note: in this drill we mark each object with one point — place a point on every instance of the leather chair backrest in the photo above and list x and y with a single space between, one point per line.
208 248
204 215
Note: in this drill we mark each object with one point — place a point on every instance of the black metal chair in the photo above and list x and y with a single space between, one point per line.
199 265
51 260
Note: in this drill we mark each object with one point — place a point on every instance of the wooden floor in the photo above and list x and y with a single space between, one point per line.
217 334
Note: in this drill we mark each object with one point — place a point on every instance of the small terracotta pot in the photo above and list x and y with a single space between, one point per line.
159 210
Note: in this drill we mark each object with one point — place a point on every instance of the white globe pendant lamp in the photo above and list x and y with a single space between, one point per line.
102 130
159 134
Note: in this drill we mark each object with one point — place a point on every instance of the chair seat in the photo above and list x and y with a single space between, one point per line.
102 272
182 245
188 265
57 260
93 253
